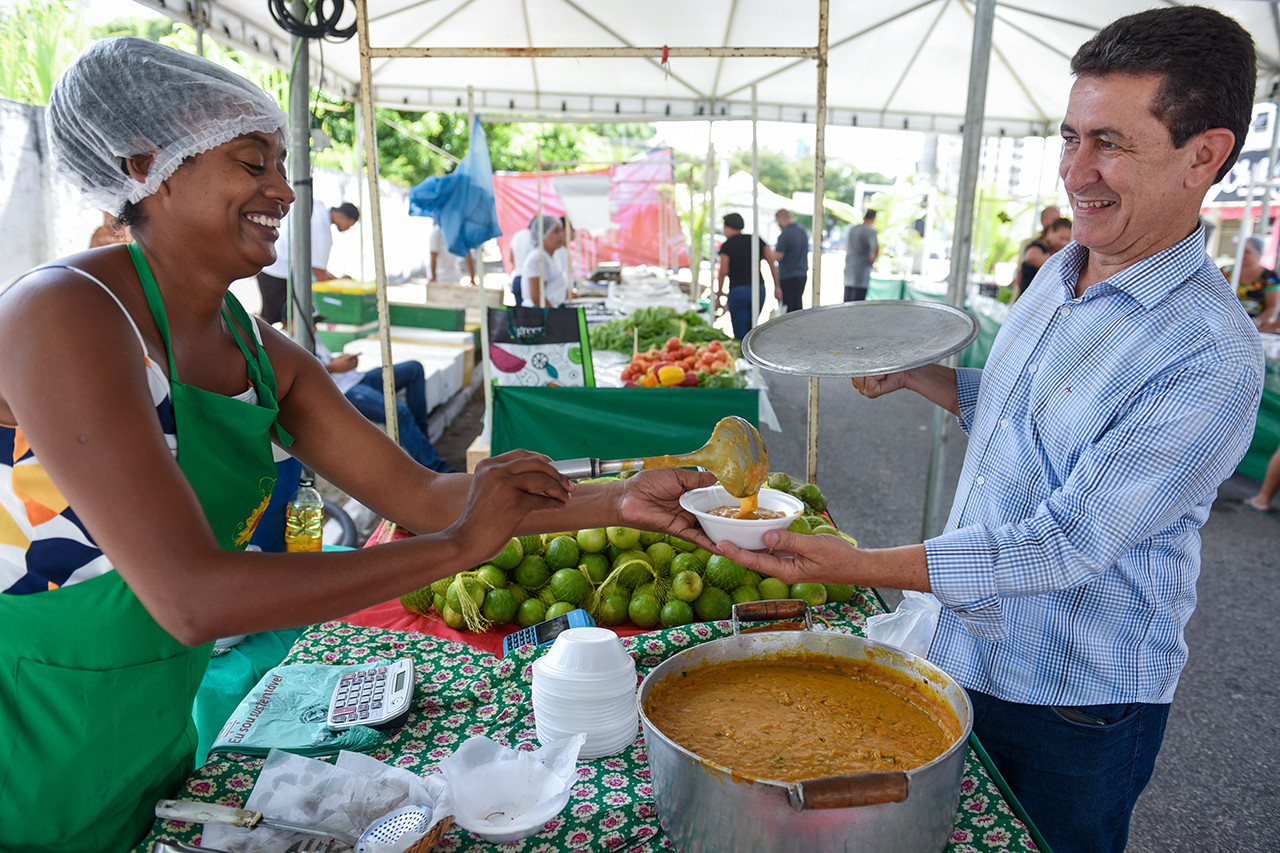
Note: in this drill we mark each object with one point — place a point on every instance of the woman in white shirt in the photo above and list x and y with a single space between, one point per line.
539 272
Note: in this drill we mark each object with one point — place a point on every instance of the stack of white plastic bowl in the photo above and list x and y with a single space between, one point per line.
586 682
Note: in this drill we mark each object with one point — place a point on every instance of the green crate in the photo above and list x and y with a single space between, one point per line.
351 304
336 335
427 317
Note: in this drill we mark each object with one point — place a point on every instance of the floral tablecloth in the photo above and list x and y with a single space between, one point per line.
462 691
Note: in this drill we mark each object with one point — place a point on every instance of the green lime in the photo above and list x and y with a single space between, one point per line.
530 612
839 592
418 601
613 609
745 593
649 537
531 544
811 495
437 601
532 572
814 593
464 586
703 555
442 586
499 606
714 605
560 608
725 573
772 588
778 480
686 585
751 578
562 553
824 528
681 544
686 563
675 612
650 588
625 538
644 610
510 557
662 555
519 593
546 596
596 566
453 618
633 568
592 539
799 524
491 576
570 585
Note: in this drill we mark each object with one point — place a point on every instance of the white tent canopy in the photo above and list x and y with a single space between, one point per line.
898 64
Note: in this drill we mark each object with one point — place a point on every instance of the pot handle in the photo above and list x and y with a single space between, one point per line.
772 610
839 792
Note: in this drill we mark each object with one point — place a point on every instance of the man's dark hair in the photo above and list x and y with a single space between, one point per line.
734 220
348 210
1205 60
869 216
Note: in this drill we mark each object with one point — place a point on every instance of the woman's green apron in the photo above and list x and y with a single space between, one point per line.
100 693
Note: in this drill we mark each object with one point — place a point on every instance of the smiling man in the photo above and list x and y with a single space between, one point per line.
1119 394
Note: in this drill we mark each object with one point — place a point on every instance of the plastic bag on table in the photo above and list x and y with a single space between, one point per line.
343 797
911 627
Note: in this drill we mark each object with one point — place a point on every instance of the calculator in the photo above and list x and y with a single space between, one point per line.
378 696
545 632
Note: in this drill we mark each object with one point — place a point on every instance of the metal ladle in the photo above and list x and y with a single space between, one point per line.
413 820
735 453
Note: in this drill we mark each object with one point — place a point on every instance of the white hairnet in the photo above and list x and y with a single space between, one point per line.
127 96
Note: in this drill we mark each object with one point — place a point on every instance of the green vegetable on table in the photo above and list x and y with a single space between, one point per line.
654 325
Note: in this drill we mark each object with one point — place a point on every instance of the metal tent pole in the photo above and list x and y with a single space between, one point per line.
375 217
755 216
962 241
819 218
298 288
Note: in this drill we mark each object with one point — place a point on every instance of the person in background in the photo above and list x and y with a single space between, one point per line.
1054 238
540 275
1119 393
446 267
138 427
1261 502
109 233
1048 216
861 250
792 253
520 247
273 280
735 266
1259 287
364 390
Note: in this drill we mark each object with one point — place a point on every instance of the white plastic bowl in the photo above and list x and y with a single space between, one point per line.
746 533
587 652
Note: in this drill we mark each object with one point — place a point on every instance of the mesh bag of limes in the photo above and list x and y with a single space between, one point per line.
618 575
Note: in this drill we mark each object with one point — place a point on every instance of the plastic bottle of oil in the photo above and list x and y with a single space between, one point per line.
304 518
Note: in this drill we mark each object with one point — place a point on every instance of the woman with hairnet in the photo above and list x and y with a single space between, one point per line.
138 404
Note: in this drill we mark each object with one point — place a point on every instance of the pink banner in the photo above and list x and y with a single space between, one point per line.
645 217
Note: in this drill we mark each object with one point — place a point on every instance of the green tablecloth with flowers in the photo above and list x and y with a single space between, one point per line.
462 692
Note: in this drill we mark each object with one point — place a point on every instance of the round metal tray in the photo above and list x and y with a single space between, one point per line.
860 338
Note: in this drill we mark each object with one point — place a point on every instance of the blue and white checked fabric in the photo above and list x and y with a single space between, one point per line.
1099 432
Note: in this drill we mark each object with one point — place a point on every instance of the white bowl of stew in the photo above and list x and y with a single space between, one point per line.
715 509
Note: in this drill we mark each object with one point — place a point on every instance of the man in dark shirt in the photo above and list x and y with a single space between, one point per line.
792 253
735 264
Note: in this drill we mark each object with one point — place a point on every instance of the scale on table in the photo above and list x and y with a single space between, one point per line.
865 338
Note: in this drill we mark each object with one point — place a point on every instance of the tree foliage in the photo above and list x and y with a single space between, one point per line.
37 40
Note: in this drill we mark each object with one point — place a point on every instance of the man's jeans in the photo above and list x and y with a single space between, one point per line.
411 415
1078 770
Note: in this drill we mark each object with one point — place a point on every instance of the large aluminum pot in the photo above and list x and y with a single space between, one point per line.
706 808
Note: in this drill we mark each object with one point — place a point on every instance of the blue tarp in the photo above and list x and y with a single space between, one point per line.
461 202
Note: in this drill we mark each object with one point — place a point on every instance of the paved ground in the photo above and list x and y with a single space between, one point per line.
1216 784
